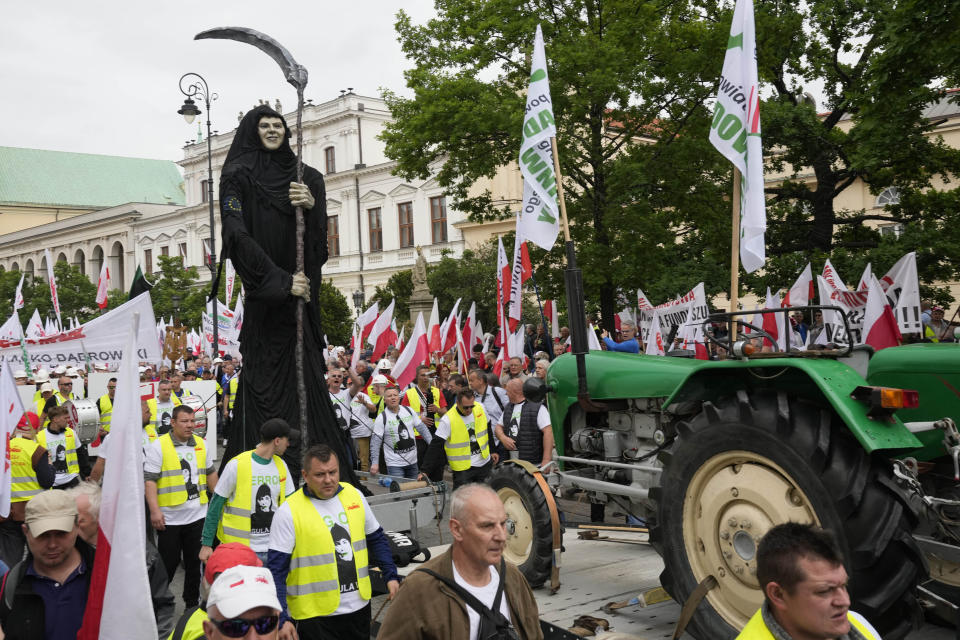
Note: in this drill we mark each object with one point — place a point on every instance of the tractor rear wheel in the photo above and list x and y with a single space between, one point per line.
747 463
529 528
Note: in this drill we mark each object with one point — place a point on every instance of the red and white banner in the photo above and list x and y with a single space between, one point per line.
35 329
18 296
901 286
448 331
690 307
468 328
12 411
417 352
102 283
53 286
100 340
520 273
11 329
119 585
550 311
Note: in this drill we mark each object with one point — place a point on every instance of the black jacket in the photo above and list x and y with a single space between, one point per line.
16 595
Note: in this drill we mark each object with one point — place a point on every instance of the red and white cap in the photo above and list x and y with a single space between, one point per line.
240 589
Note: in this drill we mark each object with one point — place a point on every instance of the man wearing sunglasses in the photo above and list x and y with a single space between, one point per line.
243 604
463 439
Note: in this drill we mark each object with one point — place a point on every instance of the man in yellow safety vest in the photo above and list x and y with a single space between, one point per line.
253 485
800 569
177 474
463 439
31 473
161 407
320 542
67 456
105 405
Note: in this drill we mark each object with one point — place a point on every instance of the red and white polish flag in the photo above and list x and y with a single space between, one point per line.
10 415
102 283
119 587
414 354
433 333
880 328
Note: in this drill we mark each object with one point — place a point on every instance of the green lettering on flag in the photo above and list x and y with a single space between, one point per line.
546 118
735 41
533 160
531 128
546 178
537 75
546 216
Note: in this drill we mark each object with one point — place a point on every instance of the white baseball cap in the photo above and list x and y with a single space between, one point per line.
42 375
380 379
242 588
46 386
71 372
60 370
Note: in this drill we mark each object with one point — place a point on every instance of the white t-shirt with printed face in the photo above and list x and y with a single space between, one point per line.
485 594
283 538
397 431
512 426
57 452
264 497
476 457
362 425
191 510
164 416
341 408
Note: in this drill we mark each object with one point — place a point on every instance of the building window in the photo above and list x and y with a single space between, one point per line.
438 219
890 195
329 160
204 190
891 230
183 253
405 214
164 251
148 260
376 229
333 236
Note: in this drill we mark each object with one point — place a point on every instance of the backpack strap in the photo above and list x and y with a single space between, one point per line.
182 623
483 610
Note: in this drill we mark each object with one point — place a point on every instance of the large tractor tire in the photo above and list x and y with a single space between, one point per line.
529 529
747 463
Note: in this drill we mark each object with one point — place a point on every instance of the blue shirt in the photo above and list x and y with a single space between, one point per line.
629 346
63 602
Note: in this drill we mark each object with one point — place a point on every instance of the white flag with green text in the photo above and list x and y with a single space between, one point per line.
540 219
735 131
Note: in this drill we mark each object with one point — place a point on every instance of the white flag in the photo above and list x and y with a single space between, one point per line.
53 287
18 298
12 411
540 220
655 339
35 326
735 131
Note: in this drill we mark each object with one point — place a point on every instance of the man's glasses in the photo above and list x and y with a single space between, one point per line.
238 627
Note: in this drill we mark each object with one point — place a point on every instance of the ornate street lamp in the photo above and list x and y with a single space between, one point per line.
197 87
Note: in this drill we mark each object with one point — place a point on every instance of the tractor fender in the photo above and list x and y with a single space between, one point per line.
823 381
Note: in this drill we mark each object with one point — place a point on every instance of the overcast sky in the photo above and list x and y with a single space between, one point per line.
101 76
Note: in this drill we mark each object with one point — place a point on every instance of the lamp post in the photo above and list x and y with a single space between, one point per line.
358 301
175 299
197 86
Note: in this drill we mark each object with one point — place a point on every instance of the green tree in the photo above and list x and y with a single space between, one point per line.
336 320
630 113
881 65
172 279
472 278
399 287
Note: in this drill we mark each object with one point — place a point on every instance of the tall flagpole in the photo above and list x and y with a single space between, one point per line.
735 244
543 318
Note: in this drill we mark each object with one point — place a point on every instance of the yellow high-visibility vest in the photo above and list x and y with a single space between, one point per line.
232 390
756 628
106 411
313 584
457 446
70 445
235 524
23 483
171 489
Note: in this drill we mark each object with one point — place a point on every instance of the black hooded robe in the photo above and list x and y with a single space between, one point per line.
259 236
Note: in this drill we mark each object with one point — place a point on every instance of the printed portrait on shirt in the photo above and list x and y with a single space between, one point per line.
263 510
193 491
346 565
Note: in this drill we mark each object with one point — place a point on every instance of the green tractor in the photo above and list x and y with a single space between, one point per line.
712 454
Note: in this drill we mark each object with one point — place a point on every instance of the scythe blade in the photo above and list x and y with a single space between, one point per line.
295 74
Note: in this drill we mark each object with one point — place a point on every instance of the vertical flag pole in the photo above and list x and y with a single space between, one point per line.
543 318
735 253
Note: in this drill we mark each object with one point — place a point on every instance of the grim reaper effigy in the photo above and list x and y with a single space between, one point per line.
281 340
